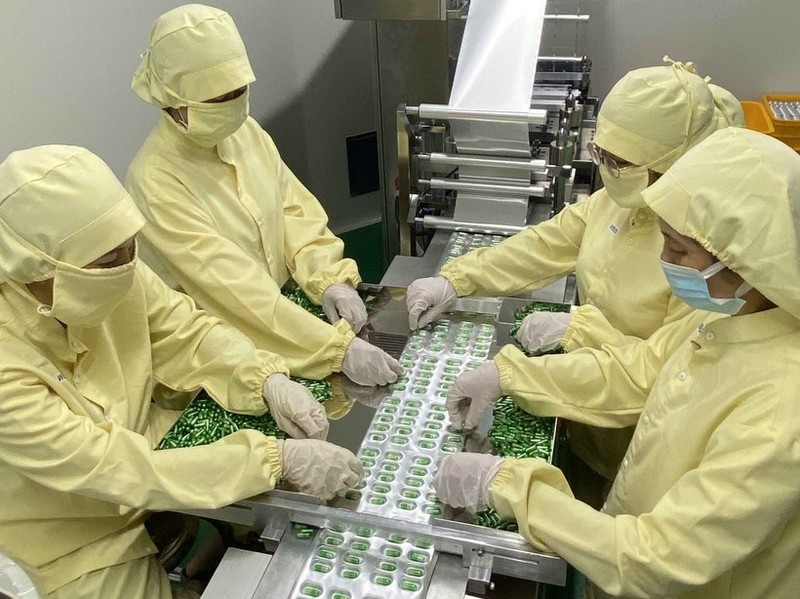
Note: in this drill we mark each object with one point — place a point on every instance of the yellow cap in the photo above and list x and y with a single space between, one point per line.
653 115
59 203
194 53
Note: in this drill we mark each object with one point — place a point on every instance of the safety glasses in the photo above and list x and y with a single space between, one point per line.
599 156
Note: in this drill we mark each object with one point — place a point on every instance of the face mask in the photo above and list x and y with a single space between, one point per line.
85 297
691 286
209 124
626 190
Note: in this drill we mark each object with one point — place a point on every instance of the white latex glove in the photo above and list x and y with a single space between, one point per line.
463 480
342 301
319 468
542 331
368 365
472 393
426 299
294 408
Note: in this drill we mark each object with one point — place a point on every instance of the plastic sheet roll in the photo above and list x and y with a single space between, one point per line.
496 69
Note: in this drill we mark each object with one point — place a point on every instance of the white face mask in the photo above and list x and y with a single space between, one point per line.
626 190
210 123
85 297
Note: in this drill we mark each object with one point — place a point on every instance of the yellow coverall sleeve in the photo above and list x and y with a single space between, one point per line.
312 253
191 349
604 387
42 439
230 284
589 327
531 259
743 490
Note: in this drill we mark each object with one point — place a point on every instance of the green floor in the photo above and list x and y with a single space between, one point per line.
365 246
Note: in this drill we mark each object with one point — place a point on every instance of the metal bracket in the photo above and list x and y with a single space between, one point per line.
274 529
479 578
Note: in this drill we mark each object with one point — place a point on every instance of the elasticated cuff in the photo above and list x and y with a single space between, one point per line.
274 452
347 336
344 271
462 285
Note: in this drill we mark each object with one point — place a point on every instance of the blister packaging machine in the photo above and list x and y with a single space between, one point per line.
391 537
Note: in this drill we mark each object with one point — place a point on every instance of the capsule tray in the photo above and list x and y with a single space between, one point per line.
411 432
462 242
361 562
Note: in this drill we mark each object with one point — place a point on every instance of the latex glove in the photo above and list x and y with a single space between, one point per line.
426 299
319 468
294 408
368 365
472 393
463 480
368 396
342 301
542 331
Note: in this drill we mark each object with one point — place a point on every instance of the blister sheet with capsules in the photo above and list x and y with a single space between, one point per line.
362 562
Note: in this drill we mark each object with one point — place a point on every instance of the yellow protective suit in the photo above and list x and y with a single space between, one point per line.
706 502
77 425
230 224
650 117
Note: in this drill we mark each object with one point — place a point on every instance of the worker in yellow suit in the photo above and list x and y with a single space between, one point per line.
706 502
227 221
86 330
610 241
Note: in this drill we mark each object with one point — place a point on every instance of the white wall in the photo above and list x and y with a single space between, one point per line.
66 68
748 46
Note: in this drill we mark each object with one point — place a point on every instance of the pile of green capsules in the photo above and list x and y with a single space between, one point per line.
291 290
204 421
516 434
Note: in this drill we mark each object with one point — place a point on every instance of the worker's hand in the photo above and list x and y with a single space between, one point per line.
472 393
367 365
463 480
319 468
426 299
342 301
294 408
542 331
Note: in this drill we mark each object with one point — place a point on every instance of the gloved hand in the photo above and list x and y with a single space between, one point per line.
472 393
463 480
367 365
294 408
542 331
342 301
319 468
426 299
368 396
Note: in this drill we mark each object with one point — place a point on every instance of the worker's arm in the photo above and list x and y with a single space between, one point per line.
604 387
588 326
742 491
191 349
313 254
529 260
232 285
47 442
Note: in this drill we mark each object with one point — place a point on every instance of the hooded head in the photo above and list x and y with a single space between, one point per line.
195 54
62 208
652 116
738 195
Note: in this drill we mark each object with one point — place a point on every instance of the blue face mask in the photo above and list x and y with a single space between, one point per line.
690 285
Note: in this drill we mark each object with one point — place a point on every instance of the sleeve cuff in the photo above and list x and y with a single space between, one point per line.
503 362
343 271
347 334
451 272
571 339
274 460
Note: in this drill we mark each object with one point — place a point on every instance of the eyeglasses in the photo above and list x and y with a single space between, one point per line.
600 156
